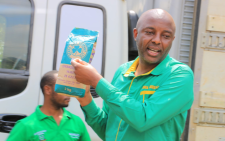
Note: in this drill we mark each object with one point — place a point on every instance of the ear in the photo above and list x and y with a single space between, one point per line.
135 32
173 37
47 90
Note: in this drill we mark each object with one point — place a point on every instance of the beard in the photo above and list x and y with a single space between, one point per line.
57 104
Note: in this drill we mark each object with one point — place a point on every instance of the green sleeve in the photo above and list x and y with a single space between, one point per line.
18 133
173 97
97 117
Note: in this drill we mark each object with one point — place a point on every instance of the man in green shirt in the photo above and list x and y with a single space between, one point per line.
148 98
50 122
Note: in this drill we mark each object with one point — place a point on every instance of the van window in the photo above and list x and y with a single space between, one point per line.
15 43
89 16
15 17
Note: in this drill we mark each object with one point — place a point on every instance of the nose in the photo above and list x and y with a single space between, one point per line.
67 97
156 39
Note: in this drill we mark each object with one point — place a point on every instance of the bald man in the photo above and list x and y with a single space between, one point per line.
148 97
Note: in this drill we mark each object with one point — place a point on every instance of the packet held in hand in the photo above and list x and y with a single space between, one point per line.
81 44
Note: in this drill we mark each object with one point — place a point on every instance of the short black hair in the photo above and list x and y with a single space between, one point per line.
48 79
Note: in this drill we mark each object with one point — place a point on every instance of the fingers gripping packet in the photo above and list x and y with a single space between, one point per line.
81 44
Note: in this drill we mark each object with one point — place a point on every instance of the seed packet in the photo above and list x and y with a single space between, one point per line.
81 44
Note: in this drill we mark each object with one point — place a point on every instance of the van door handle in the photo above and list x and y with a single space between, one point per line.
7 121
6 126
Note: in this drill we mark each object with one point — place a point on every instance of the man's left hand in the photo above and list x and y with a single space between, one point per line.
85 73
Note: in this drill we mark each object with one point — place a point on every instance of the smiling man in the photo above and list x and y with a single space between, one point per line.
148 98
50 122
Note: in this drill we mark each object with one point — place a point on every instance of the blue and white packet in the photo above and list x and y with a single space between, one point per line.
81 44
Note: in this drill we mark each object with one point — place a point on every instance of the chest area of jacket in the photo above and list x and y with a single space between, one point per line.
48 130
140 86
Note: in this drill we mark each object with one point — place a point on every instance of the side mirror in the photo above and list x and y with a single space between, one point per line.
132 47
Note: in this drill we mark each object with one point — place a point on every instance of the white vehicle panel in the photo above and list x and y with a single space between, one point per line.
26 101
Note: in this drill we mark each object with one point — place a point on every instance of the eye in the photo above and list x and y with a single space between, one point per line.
166 36
149 32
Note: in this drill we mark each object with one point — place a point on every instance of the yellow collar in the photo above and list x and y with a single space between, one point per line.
133 68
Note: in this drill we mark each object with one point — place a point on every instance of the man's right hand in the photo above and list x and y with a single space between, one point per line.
87 97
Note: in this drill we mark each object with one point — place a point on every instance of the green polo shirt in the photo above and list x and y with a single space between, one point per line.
40 127
149 107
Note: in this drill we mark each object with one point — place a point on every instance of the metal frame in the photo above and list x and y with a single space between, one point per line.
195 37
30 34
58 25
196 62
192 58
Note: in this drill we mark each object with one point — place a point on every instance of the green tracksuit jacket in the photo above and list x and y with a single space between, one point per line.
149 107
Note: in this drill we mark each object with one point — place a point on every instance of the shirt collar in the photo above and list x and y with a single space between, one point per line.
66 114
160 68
132 68
42 116
156 71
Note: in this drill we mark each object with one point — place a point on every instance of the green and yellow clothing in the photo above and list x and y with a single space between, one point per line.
40 127
149 107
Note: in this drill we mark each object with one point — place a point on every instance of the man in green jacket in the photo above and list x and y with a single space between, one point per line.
50 122
148 98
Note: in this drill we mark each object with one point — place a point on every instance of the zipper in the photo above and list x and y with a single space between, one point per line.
121 119
128 94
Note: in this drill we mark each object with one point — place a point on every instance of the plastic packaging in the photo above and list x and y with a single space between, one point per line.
81 43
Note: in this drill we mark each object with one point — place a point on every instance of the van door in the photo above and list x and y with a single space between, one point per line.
63 16
22 24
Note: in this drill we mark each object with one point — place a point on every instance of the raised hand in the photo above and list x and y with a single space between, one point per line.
85 73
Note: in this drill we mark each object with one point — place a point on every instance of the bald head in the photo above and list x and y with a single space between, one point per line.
157 15
154 34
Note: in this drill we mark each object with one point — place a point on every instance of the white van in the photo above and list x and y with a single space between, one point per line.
32 39
33 35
